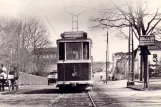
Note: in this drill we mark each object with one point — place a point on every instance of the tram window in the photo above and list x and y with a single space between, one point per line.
61 51
73 51
85 50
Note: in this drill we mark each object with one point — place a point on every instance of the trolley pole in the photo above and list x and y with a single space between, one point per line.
107 59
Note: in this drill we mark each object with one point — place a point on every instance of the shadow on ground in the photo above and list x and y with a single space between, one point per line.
44 91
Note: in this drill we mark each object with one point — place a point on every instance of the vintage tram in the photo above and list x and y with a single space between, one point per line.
74 61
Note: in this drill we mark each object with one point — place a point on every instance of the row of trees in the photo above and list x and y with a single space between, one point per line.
19 38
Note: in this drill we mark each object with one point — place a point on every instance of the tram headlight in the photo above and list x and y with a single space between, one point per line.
74 74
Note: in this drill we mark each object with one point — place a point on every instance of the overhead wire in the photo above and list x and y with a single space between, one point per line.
49 23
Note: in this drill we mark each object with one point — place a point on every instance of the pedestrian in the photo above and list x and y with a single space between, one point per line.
3 71
101 77
113 78
3 75
110 76
15 73
14 81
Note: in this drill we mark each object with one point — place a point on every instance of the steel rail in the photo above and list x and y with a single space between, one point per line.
93 103
53 101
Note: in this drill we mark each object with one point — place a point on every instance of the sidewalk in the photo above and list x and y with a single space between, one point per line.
154 84
130 97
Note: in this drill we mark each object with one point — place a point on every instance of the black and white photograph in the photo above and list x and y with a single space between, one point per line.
80 53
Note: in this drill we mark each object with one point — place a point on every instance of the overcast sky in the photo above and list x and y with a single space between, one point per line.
54 10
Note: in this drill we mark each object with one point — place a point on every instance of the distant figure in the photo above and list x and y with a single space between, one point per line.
110 76
113 78
92 75
3 71
14 82
101 77
15 73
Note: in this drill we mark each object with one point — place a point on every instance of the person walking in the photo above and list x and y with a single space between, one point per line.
14 81
3 71
3 75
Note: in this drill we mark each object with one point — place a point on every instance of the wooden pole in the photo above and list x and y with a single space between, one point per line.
107 56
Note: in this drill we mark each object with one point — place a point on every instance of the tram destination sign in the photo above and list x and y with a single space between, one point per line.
78 34
147 40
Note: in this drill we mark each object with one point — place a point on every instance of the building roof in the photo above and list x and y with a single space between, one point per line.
121 53
51 50
156 47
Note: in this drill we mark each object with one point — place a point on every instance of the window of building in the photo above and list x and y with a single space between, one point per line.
54 56
51 55
47 56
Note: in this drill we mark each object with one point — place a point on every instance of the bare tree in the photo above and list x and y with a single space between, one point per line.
19 38
8 28
33 35
142 20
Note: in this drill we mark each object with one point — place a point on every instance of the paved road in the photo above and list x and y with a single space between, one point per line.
48 96
29 96
113 94
132 98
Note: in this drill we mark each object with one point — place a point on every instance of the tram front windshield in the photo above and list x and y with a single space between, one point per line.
73 51
77 51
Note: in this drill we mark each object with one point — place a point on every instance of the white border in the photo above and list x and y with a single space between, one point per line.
75 82
74 61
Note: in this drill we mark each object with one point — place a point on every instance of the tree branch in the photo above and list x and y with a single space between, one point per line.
151 20
154 26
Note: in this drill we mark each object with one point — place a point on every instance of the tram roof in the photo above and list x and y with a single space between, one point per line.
75 40
74 36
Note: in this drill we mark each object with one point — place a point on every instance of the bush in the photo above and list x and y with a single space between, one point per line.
39 73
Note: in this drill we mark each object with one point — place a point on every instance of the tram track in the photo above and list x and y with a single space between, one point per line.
90 97
80 99
84 99
55 100
93 98
72 100
100 99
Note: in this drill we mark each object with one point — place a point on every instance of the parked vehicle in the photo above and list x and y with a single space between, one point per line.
52 77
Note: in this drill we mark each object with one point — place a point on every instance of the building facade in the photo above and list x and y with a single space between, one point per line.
46 58
153 59
120 65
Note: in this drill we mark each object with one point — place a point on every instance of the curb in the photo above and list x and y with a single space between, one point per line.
137 89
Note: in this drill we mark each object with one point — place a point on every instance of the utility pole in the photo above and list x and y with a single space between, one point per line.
144 53
107 57
131 57
144 42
